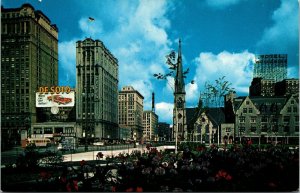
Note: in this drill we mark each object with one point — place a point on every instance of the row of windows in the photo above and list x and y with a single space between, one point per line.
289 109
265 129
265 119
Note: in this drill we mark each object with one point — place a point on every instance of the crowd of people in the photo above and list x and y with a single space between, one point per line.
203 169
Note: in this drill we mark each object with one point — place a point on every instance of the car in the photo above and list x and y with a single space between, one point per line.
59 99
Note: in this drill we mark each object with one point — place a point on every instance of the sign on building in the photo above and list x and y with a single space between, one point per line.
61 99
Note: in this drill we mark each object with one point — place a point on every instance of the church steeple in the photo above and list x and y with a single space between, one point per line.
179 79
179 111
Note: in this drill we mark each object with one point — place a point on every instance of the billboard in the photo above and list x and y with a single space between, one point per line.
61 99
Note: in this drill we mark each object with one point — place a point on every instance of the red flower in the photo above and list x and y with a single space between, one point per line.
139 189
129 190
228 177
223 174
75 183
45 175
82 163
63 179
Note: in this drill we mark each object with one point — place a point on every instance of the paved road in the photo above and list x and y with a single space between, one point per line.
92 155
10 157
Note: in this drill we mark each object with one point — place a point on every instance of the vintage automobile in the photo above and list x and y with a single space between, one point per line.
59 99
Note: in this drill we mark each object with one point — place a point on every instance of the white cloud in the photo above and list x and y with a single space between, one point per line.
137 38
221 3
192 92
144 87
285 29
165 111
67 57
237 67
90 28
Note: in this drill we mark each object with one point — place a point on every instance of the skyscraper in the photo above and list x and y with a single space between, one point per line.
97 90
29 59
150 121
131 111
272 66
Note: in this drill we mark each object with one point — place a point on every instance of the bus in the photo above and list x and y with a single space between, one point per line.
38 142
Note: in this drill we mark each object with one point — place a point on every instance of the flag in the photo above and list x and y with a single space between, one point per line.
91 19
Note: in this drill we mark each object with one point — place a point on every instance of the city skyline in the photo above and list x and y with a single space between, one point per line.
219 38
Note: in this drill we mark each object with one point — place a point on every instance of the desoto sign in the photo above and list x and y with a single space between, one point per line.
55 96
55 89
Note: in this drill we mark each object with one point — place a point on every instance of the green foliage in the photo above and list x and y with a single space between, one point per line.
192 146
214 93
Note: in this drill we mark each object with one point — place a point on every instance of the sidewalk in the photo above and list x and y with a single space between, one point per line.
88 156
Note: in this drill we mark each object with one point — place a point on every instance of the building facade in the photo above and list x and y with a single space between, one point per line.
97 90
269 87
267 118
29 59
164 131
287 87
271 66
150 130
206 127
262 87
131 104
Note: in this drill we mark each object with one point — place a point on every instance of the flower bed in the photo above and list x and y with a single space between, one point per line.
199 169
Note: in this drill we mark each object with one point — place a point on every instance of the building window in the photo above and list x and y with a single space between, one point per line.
253 119
297 128
247 102
264 119
286 119
253 129
264 128
289 109
297 118
244 110
250 110
286 129
242 119
48 130
228 129
295 109
242 129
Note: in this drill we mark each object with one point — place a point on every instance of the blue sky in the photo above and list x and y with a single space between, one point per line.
219 38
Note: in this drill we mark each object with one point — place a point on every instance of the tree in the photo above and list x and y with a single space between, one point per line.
214 93
213 96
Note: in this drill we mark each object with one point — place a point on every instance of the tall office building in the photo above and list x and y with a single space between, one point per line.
150 121
287 87
262 87
272 66
97 90
29 59
131 111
